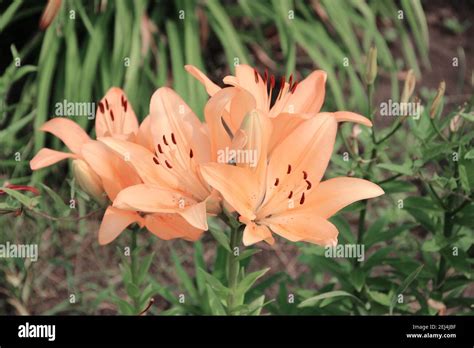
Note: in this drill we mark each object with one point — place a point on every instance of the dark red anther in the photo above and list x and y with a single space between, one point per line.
168 165
265 76
156 160
160 150
309 185
125 105
191 154
305 175
290 81
293 88
289 169
106 104
164 140
302 199
122 99
173 138
272 82
277 181
101 107
282 83
255 73
290 195
112 115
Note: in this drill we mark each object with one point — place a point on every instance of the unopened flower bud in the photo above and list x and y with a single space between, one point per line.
409 86
437 100
49 13
371 67
88 180
455 123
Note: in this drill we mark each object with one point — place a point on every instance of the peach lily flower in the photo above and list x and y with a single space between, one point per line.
172 182
285 194
293 97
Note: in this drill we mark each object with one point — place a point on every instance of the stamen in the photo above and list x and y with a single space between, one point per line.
293 89
290 195
125 104
191 153
265 77
289 169
156 160
160 149
255 73
272 82
164 140
106 104
302 199
168 165
305 175
112 115
309 184
290 81
173 138
277 181
101 107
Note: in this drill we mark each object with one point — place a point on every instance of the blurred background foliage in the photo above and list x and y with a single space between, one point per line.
143 45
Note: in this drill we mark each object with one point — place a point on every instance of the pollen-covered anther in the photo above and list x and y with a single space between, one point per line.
277 181
289 169
309 184
160 150
302 198
265 76
191 154
290 195
173 139
112 115
168 164
305 175
101 107
255 73
272 82
156 160
164 140
293 88
106 103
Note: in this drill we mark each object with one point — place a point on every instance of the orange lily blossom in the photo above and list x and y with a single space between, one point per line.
284 194
294 101
99 169
172 182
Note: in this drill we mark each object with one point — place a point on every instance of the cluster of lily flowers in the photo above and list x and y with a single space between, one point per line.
164 173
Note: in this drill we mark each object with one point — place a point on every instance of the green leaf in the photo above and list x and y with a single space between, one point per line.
358 278
246 283
213 282
184 277
312 301
396 168
221 238
215 303
29 202
404 285
247 253
380 298
144 268
62 207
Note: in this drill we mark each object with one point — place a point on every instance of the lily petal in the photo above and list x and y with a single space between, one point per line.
115 116
68 131
144 136
254 233
171 226
347 116
46 157
238 186
115 172
303 227
308 97
114 222
210 86
332 195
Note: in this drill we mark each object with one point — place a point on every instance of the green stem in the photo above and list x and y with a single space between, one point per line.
133 269
233 269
